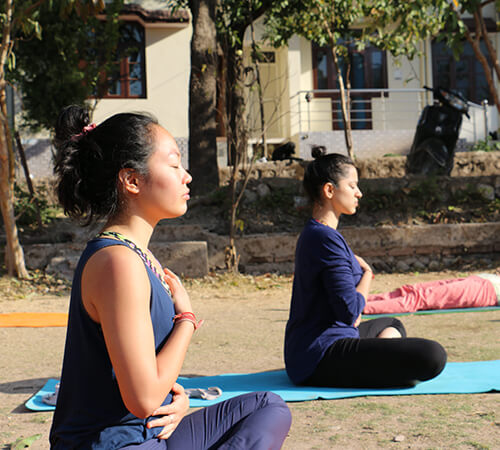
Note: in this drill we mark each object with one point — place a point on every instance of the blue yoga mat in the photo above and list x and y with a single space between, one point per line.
456 378
35 403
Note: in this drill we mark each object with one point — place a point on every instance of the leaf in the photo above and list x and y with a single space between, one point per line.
11 64
239 225
22 443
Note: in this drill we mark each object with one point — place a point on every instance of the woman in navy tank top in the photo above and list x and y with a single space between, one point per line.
130 320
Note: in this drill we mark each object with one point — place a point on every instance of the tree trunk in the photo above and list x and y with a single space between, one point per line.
202 98
14 257
344 99
486 67
237 135
260 92
236 126
474 42
491 50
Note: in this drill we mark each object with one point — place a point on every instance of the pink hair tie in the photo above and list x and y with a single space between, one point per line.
85 130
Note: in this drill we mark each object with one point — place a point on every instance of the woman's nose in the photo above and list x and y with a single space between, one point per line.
188 178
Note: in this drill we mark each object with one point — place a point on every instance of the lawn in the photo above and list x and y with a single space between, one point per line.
243 332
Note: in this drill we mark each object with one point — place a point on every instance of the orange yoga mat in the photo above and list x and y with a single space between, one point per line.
35 320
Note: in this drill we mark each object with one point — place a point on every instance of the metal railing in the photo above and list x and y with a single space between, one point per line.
374 109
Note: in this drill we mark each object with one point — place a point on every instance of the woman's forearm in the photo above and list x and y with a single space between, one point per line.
168 366
364 284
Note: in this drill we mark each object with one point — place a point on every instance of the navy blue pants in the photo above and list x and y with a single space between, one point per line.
259 420
371 362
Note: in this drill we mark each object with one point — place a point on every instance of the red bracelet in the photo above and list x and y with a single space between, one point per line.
189 316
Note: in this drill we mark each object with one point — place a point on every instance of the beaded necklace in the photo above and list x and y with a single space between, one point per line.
140 252
322 222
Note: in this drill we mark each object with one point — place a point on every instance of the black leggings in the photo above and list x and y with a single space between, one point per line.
371 362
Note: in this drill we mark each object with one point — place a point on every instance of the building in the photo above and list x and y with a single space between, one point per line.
300 104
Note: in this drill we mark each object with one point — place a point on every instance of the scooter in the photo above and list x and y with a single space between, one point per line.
433 148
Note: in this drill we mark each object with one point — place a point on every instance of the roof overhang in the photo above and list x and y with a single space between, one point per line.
158 18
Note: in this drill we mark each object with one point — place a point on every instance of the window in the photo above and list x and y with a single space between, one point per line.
367 71
128 79
465 75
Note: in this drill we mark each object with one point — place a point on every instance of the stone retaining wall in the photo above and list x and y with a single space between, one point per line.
467 164
192 251
389 248
185 258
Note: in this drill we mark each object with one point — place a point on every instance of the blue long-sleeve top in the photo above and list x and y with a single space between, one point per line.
325 303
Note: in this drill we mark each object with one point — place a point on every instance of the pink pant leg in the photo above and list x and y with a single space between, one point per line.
467 292
397 301
470 292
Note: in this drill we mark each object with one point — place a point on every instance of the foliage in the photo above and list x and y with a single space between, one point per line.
488 145
38 282
340 22
28 209
428 201
19 20
26 15
53 71
455 32
25 442
234 16
278 198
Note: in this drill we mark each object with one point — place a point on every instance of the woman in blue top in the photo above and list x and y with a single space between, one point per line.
130 321
325 342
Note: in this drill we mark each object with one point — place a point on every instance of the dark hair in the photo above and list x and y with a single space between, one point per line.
325 168
87 161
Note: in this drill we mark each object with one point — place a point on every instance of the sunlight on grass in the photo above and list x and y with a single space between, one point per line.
12 288
230 280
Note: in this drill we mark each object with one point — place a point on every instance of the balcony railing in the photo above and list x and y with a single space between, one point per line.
377 109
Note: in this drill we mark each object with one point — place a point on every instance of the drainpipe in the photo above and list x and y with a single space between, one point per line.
10 106
485 113
308 99
423 77
300 115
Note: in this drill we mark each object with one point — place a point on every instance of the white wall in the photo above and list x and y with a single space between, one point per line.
167 82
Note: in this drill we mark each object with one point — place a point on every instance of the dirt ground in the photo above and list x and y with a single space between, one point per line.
243 332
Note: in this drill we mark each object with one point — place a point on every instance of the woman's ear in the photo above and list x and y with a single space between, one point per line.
328 190
130 180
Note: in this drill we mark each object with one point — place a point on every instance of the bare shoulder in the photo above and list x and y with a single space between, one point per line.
114 274
115 261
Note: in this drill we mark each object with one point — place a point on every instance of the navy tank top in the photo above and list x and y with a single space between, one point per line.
90 413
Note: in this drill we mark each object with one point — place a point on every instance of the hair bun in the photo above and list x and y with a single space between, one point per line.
71 122
317 151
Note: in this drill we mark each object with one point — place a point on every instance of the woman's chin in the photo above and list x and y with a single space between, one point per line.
176 214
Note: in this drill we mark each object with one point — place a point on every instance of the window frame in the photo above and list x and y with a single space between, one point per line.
363 98
124 79
472 76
